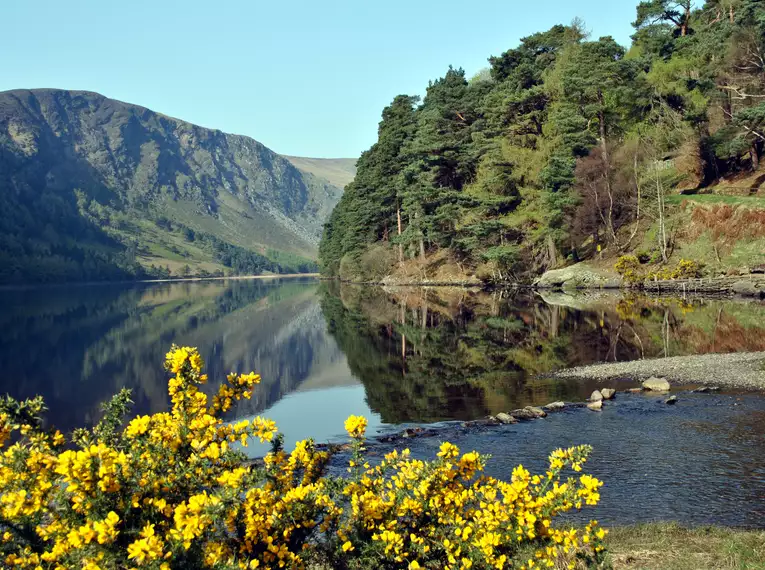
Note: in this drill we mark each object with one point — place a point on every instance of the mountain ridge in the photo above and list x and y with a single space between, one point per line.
109 179
337 171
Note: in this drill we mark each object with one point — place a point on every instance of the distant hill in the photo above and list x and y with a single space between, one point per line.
336 171
93 188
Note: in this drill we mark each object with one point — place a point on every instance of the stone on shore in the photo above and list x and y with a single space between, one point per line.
595 406
504 418
748 288
596 396
656 384
578 276
608 393
528 413
540 413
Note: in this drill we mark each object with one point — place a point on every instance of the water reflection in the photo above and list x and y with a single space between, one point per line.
413 356
77 346
421 355
438 354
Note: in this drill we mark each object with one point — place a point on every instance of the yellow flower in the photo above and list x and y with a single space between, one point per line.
175 486
356 426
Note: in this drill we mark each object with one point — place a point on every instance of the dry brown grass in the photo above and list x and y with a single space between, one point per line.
671 547
728 223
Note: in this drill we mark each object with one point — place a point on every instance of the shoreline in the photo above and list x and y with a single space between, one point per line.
750 286
730 371
18 286
745 370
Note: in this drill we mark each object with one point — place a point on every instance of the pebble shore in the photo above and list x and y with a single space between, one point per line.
737 370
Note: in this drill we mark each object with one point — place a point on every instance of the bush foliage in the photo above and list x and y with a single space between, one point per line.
172 490
629 267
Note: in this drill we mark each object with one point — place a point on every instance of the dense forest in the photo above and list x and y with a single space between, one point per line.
566 146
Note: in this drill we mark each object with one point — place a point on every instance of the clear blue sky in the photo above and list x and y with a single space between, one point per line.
304 77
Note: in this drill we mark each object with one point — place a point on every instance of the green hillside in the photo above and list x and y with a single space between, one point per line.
93 188
567 148
337 171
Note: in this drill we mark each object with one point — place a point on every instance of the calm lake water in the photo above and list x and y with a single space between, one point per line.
412 357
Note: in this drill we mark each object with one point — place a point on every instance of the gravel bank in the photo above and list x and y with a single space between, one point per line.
737 370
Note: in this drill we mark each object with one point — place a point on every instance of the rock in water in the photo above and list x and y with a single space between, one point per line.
634 390
538 412
596 406
608 393
555 406
504 418
596 396
671 401
656 384
528 413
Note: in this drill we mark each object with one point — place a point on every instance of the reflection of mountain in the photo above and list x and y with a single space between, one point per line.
452 354
77 346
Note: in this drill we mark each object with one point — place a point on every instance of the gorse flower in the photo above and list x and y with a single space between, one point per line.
356 426
170 491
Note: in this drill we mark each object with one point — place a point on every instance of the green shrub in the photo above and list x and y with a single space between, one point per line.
628 266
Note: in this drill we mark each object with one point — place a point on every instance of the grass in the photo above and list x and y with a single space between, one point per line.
752 201
668 546
337 171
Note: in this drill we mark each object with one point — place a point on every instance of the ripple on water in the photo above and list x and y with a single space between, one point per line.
701 461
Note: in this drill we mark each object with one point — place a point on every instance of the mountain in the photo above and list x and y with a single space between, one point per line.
337 171
94 188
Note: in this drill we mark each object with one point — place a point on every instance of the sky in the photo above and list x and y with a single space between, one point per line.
305 78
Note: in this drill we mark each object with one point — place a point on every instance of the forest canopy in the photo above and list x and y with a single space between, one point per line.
547 156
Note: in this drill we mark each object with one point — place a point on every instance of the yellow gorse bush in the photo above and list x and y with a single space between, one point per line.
170 491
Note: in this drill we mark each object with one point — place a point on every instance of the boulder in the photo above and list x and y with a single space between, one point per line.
539 412
596 406
748 288
596 396
528 413
579 276
555 406
608 393
504 418
656 384
671 401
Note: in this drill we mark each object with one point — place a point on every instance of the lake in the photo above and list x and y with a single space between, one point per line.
410 357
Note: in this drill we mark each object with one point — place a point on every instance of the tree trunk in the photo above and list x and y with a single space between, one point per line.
552 252
400 245
637 210
420 234
754 152
732 16
606 169
662 223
